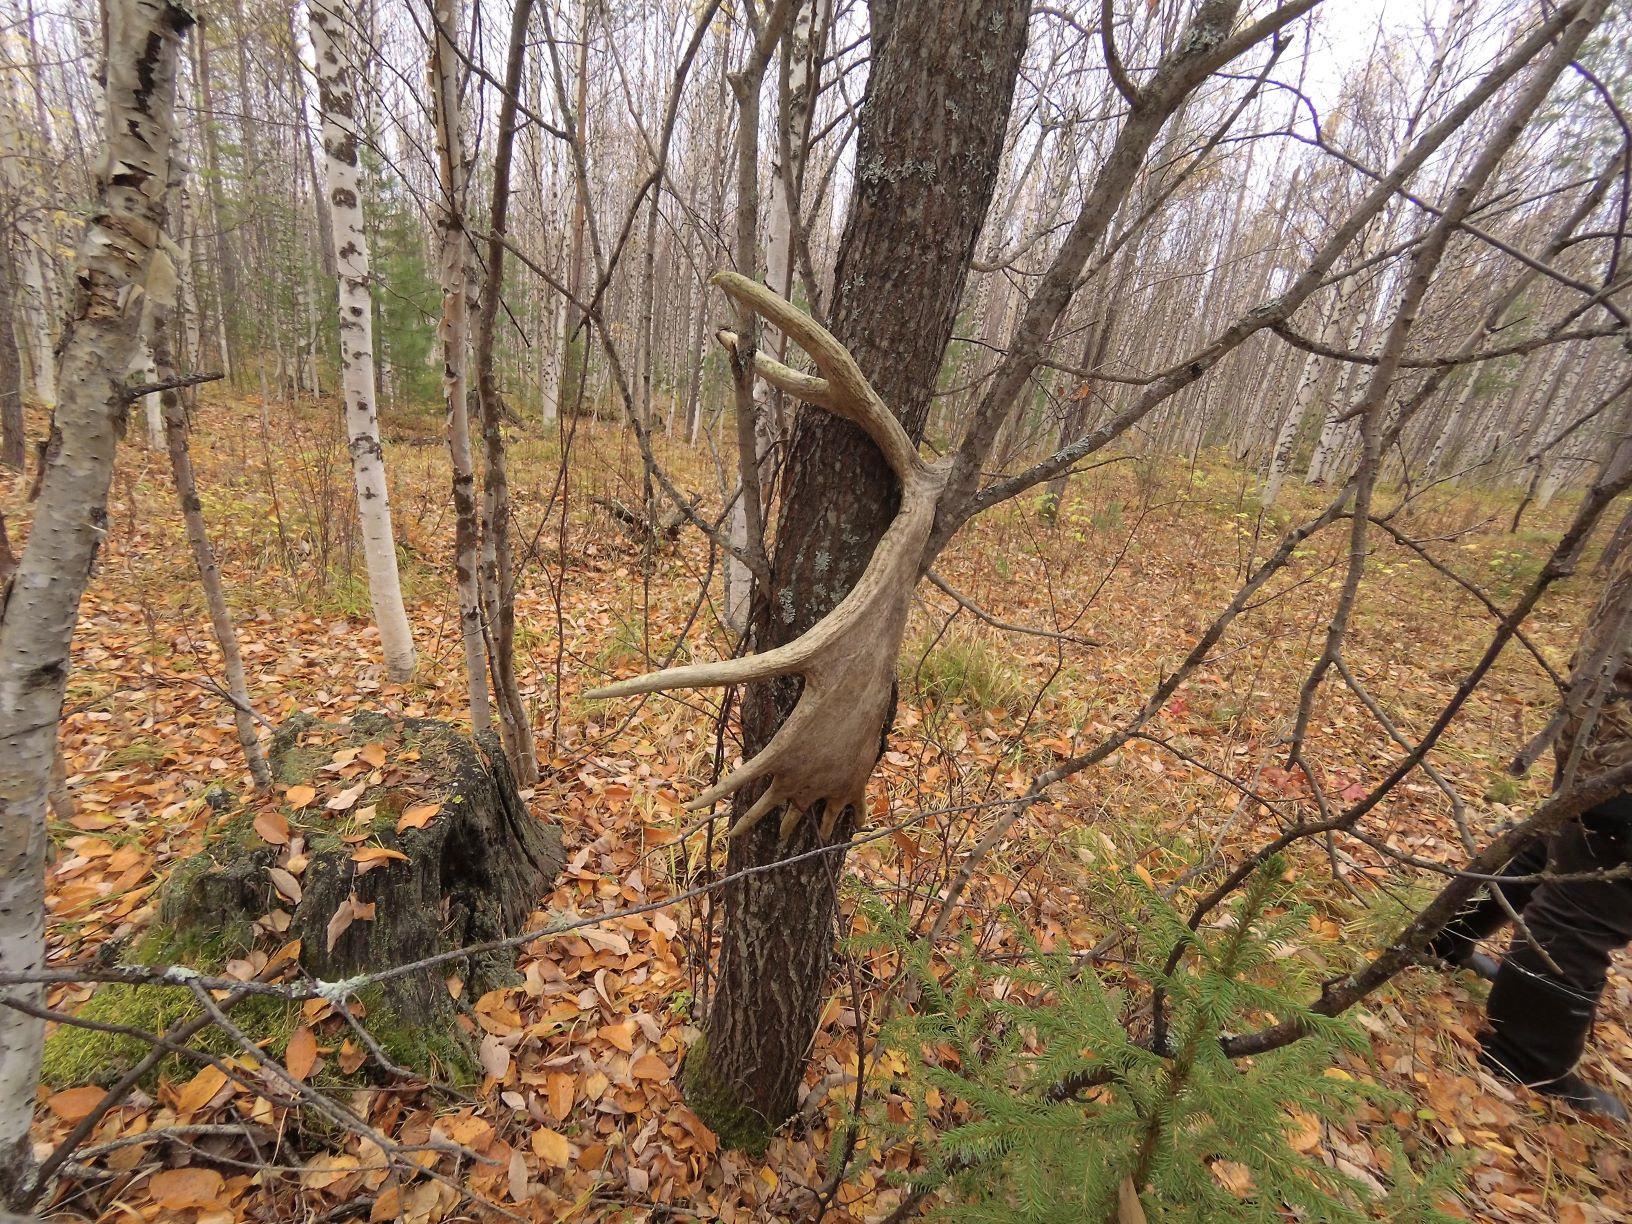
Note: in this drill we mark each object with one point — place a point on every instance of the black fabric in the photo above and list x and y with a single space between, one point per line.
1483 916
1580 924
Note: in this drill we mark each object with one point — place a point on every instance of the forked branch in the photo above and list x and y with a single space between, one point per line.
825 751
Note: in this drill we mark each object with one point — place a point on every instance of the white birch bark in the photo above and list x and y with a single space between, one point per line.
1280 458
453 331
769 429
337 103
33 291
144 38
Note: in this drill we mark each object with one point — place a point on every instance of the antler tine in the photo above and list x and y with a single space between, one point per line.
851 395
744 670
807 387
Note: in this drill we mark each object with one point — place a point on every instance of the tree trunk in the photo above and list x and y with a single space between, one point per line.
174 436
497 582
337 102
144 39
13 443
455 255
936 108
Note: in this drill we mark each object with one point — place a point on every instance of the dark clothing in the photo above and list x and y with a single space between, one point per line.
1580 923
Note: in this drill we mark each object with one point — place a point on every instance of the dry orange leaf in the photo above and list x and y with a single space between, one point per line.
72 1104
552 1148
562 1087
650 1067
620 1035
197 1092
301 1056
369 857
372 754
418 816
179 1189
300 796
273 828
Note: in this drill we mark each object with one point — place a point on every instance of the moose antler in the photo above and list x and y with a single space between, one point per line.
827 747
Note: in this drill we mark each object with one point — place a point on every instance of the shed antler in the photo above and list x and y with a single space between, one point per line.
827 747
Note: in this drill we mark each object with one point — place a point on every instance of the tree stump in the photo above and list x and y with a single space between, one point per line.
414 843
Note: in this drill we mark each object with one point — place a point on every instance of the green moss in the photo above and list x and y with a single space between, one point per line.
435 1050
739 1127
76 1055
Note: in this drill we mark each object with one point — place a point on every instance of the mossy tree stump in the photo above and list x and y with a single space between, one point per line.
472 872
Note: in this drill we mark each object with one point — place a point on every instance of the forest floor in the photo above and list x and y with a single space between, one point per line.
583 1117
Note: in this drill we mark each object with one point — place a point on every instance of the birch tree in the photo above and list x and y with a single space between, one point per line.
337 104
121 236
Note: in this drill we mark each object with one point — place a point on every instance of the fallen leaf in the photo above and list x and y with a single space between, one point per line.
620 1035
343 801
72 1104
495 1057
179 1189
369 857
285 883
273 828
650 1067
301 1055
417 817
300 796
372 754
552 1148
363 911
339 921
562 1087
196 1093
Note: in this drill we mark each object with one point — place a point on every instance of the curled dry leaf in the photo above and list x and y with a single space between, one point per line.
339 921
418 816
343 801
181 1189
552 1147
650 1067
198 1091
286 884
495 1057
273 828
372 754
369 857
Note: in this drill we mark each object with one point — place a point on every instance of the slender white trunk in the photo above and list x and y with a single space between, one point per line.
786 148
1280 458
145 370
453 329
33 291
144 39
337 103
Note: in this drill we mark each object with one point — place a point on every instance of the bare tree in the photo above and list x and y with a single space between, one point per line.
121 236
337 102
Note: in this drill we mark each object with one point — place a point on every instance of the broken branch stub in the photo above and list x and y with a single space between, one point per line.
826 749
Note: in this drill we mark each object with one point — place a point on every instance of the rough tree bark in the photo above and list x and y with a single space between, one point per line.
455 259
13 444
935 113
337 103
497 583
121 234
160 307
